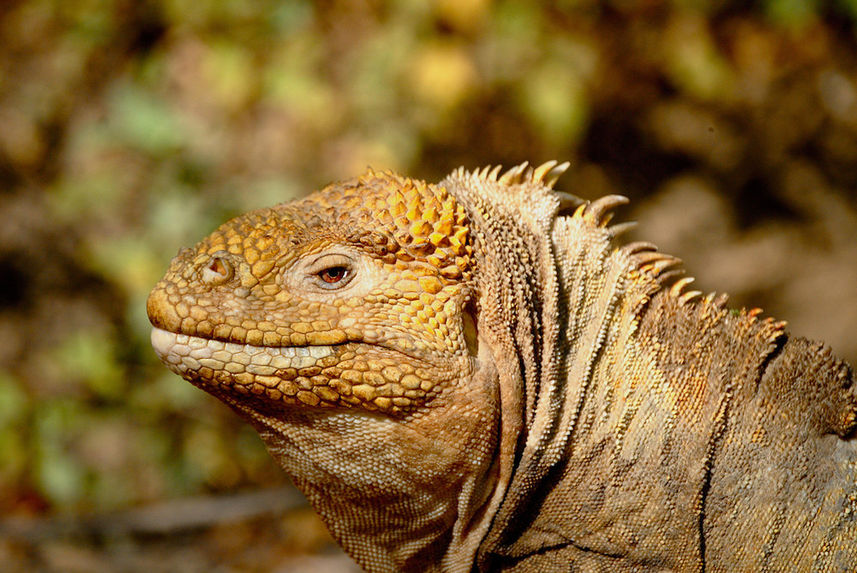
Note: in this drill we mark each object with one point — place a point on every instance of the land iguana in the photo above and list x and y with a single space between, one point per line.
475 375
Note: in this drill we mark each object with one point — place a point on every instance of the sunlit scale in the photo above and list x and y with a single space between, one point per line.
311 375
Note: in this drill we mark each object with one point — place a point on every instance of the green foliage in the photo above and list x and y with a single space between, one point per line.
849 7
15 407
554 100
91 358
141 121
60 475
791 13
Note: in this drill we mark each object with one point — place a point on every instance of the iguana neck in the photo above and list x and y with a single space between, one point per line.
622 376
404 494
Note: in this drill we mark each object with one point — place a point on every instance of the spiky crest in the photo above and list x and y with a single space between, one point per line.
662 268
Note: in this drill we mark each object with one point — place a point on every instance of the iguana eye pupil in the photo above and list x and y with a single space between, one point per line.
333 275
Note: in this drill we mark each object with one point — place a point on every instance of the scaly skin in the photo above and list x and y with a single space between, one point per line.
474 375
372 335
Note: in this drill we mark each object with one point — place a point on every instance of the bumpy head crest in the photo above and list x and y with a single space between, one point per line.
424 221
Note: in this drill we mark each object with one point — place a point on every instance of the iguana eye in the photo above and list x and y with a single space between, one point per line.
332 271
333 275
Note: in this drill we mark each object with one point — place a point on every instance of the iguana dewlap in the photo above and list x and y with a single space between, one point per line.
474 375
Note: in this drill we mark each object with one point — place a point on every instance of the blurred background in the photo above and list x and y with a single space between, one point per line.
131 128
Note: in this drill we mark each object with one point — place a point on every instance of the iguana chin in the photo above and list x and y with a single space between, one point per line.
474 375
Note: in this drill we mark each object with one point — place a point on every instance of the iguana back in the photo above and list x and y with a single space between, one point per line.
476 375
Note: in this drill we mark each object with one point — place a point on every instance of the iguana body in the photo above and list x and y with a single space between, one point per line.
473 375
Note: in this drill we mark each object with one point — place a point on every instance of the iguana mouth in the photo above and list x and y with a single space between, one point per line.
338 375
194 352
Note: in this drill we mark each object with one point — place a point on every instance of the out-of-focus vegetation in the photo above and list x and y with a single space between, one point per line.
131 128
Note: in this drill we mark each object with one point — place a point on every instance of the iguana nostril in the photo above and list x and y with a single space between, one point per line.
217 270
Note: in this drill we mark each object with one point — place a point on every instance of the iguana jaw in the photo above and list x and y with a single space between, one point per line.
324 376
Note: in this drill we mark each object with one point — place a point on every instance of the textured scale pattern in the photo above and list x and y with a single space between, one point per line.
478 375
418 236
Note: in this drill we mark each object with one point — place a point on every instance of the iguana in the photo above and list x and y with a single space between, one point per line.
476 375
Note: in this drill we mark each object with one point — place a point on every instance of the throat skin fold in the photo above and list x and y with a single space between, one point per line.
421 482
478 375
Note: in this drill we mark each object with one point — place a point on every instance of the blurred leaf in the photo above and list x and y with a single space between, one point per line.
217 13
791 13
128 262
293 16
90 357
60 475
138 319
208 456
270 191
144 121
13 401
849 6
464 15
554 99
252 453
291 79
694 62
441 74
177 217
518 23
512 42
16 456
95 196
164 391
229 74
373 69
703 6
15 408
88 20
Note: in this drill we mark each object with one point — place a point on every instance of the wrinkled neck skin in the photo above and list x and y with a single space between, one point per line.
644 420
589 403
404 494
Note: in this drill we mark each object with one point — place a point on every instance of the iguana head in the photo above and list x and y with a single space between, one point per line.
352 298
